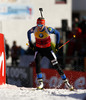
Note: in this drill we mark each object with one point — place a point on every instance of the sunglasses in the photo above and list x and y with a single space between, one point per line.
39 25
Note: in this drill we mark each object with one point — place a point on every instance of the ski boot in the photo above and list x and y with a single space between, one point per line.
40 84
67 84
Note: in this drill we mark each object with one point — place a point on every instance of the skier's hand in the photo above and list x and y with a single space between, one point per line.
57 46
31 45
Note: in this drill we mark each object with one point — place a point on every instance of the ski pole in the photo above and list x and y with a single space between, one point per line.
66 42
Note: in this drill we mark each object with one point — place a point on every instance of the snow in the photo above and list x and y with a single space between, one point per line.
12 92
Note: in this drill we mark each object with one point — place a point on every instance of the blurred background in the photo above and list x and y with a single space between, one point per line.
67 16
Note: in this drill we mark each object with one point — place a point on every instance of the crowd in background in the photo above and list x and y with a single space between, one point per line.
77 47
75 50
15 52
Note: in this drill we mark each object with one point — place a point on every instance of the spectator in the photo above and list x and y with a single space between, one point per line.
7 49
76 22
14 54
21 51
83 25
76 29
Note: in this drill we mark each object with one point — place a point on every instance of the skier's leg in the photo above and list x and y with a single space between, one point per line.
38 58
63 76
55 64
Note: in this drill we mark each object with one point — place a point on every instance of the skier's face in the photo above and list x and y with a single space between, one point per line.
40 27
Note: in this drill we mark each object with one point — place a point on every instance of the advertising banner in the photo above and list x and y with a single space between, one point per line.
52 79
15 11
2 61
18 76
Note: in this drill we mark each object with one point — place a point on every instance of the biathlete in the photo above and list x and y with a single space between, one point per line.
43 48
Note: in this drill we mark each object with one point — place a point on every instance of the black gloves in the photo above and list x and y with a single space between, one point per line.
57 47
31 45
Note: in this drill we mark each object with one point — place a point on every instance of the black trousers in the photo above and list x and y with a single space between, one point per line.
47 52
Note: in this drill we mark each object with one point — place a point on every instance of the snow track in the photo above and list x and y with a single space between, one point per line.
12 92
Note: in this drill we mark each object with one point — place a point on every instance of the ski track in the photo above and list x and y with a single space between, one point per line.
12 92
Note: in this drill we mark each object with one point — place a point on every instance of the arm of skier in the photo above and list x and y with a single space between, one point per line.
29 36
57 33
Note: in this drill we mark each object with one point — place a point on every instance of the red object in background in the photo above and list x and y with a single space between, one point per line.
2 61
78 33
52 79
